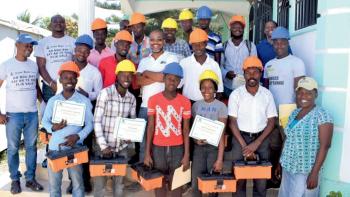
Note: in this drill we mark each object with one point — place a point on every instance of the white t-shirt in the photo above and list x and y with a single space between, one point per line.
281 74
154 65
252 112
21 79
56 51
90 80
192 70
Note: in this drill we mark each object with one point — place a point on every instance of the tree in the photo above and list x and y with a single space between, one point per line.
26 17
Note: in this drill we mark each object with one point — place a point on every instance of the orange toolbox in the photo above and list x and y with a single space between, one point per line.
258 169
113 166
216 183
59 160
44 136
148 178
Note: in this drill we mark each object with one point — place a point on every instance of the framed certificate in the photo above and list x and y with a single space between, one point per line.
130 129
72 112
206 129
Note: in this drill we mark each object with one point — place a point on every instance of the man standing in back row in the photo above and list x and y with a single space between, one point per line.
51 52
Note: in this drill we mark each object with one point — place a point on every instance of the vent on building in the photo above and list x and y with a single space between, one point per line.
305 13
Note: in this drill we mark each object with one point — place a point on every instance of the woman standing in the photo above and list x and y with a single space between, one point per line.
308 137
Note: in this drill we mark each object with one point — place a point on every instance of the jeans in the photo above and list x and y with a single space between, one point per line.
294 185
100 182
143 114
259 187
204 157
76 176
167 159
28 124
47 92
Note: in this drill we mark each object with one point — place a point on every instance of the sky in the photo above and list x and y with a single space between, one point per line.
42 8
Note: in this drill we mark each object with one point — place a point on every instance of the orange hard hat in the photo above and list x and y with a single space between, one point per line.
123 35
137 18
237 18
98 24
198 35
69 66
252 62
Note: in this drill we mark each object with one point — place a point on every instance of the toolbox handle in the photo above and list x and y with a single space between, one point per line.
219 182
257 161
108 168
114 156
70 157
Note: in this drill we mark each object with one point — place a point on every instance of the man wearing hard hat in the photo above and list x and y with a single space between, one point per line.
186 22
173 44
140 47
107 106
214 45
100 51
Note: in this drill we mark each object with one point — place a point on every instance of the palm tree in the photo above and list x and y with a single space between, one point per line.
26 16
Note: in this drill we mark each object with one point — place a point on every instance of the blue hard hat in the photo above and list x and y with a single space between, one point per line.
173 68
280 32
85 39
26 38
204 13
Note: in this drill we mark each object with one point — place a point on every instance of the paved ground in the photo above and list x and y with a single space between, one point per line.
5 182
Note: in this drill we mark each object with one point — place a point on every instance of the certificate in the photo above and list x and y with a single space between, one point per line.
72 112
206 129
284 112
130 129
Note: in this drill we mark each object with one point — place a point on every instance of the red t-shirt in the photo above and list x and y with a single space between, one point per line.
168 118
107 68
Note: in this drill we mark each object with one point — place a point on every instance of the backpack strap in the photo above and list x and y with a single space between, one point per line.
249 46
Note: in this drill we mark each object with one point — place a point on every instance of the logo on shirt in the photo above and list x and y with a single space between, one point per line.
172 121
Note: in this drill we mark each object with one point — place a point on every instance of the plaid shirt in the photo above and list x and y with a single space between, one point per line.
109 106
180 48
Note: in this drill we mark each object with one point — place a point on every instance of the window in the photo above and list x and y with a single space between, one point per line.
283 13
305 13
260 13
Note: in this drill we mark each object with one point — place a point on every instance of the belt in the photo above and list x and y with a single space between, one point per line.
251 134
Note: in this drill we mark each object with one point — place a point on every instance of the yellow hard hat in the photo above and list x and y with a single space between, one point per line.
185 15
169 23
125 66
209 74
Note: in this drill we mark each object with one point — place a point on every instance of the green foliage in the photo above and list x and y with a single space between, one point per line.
71 27
334 194
106 5
26 17
113 19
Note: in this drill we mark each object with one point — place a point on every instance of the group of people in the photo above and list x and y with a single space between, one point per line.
168 82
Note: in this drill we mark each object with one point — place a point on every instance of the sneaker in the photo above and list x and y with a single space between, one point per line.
16 187
34 185
69 189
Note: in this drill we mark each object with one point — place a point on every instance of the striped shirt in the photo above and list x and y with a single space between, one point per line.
110 105
214 44
234 58
180 48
